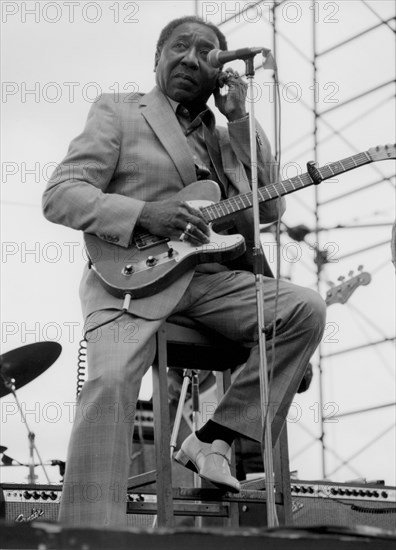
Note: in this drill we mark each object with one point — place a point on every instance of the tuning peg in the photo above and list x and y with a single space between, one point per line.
341 278
350 273
330 283
360 268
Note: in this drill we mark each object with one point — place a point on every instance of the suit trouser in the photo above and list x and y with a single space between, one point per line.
120 352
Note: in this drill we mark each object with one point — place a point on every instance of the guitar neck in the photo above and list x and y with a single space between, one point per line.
275 190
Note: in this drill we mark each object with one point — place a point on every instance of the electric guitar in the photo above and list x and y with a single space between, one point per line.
152 263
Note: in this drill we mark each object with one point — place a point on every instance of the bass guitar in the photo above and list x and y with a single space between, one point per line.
341 293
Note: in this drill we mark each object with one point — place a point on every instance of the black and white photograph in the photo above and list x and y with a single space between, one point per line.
198 261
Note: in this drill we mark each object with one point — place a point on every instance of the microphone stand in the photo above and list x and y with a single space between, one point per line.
258 263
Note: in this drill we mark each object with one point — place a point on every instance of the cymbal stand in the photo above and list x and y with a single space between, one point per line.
10 384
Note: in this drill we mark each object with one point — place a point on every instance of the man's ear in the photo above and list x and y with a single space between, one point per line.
156 59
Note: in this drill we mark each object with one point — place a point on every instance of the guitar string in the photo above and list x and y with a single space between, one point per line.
220 209
244 200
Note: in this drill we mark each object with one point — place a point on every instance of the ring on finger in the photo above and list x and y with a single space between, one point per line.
188 228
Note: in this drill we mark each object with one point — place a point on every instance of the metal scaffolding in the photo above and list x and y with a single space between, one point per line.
336 82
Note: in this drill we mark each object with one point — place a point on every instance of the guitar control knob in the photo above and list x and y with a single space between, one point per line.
53 495
128 269
170 252
36 495
44 495
151 260
27 495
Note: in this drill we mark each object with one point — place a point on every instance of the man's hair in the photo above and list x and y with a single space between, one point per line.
170 27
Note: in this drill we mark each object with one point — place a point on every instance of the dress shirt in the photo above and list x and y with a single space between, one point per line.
202 141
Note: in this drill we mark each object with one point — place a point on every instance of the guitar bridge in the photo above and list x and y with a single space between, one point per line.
147 240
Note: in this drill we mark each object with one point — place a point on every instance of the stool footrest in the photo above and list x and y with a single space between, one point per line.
182 509
216 495
208 495
140 480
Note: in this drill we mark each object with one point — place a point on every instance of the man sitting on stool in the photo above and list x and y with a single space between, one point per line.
122 173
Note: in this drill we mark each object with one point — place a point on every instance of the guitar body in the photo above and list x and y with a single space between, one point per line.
152 263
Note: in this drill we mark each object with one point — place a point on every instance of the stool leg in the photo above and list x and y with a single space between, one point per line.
195 412
187 374
223 382
282 477
162 435
221 385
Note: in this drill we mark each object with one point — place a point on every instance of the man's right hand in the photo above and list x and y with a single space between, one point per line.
174 219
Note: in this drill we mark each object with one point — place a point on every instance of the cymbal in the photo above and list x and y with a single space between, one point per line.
26 363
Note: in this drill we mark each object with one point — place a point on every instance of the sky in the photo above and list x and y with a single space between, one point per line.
57 57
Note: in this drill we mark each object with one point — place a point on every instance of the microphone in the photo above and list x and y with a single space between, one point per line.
217 58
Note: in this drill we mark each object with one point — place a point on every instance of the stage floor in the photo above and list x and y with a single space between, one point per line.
48 536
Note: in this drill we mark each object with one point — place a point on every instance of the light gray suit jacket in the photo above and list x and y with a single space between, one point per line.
133 150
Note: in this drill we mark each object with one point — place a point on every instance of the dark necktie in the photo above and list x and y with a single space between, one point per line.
212 146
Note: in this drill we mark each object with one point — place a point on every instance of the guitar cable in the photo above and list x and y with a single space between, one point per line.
82 350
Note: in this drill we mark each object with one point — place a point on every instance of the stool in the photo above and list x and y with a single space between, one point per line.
184 343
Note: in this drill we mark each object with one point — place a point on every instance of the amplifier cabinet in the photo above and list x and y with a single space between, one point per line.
25 503
329 503
325 503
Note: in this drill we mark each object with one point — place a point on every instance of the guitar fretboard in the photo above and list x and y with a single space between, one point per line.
276 190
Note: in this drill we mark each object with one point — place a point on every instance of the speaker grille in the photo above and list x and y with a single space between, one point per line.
315 511
26 503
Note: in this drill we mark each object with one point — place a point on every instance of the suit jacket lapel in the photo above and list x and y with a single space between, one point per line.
159 114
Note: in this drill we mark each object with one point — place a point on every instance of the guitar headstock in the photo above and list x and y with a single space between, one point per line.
341 293
382 152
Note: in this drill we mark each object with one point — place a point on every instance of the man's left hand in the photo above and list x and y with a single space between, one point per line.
232 104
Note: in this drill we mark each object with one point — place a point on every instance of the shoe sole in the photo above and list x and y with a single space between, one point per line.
221 486
184 460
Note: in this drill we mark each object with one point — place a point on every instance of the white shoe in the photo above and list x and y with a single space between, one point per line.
210 460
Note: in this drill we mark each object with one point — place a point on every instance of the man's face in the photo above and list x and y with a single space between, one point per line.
182 72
